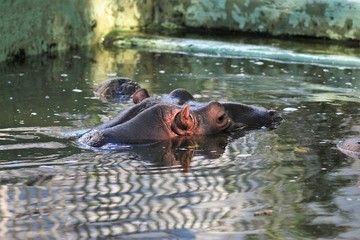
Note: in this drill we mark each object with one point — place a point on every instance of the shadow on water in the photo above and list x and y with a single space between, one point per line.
185 188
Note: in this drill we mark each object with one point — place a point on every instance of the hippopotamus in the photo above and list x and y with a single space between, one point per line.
248 116
143 101
178 114
160 122
117 89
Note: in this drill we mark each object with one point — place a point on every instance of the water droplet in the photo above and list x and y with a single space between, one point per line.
45 166
244 155
289 109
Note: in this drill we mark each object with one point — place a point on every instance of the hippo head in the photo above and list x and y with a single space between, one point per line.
116 89
207 120
162 122
177 114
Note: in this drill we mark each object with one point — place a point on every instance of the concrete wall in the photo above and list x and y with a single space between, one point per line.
33 27
40 26
334 19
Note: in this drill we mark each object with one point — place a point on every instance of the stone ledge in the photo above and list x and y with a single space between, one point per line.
221 49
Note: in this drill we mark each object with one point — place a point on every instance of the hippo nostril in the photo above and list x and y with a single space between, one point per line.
272 112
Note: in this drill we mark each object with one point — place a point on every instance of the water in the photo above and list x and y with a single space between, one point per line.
50 188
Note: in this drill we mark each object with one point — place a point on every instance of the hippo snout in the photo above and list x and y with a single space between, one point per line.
275 118
94 138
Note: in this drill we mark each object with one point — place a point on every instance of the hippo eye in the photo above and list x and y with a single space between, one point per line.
221 118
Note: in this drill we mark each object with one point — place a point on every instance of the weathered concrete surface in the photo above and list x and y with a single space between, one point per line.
334 19
29 27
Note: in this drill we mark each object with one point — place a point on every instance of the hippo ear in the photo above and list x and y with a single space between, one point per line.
139 95
185 113
184 121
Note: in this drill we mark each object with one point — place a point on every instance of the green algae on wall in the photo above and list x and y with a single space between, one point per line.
29 27
333 19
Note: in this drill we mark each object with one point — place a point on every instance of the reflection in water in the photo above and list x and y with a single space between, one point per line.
113 195
180 151
186 188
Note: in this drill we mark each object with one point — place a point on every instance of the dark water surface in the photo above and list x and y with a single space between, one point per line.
209 188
